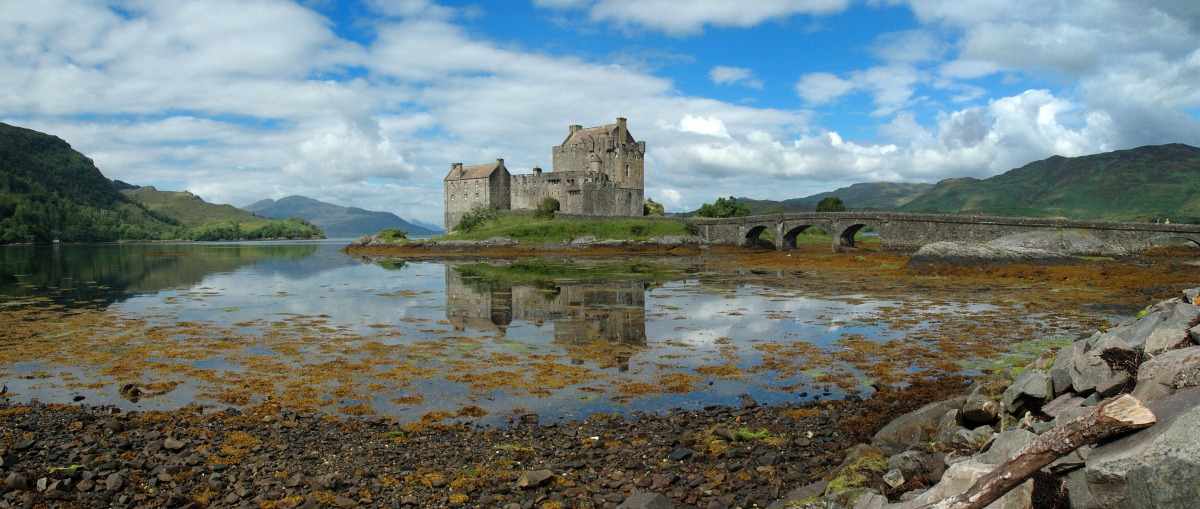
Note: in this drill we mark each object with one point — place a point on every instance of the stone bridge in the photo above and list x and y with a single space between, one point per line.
908 232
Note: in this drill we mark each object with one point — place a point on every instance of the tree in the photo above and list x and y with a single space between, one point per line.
653 208
831 204
724 207
546 208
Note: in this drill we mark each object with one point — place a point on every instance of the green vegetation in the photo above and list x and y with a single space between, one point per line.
472 220
547 208
653 208
49 191
1141 184
529 229
724 207
394 236
831 204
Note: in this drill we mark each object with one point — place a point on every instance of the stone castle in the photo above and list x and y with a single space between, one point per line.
595 171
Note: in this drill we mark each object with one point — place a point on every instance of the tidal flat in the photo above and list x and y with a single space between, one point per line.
257 376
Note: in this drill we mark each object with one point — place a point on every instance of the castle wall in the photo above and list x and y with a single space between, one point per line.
624 162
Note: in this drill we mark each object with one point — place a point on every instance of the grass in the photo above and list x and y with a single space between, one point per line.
530 229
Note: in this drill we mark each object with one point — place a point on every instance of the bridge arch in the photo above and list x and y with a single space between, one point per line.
753 238
790 233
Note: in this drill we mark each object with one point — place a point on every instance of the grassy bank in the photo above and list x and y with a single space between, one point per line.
531 229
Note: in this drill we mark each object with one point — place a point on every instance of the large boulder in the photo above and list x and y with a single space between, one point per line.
1175 435
931 257
960 476
1062 241
911 428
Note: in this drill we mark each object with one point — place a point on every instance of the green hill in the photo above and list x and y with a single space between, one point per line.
1141 184
335 220
871 196
210 221
50 191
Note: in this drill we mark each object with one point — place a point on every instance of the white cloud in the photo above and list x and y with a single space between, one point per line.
722 75
697 14
822 87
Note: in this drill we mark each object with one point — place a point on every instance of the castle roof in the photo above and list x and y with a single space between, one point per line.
477 171
592 134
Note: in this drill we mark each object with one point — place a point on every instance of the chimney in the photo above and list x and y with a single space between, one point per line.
622 131
499 162
537 169
456 168
575 128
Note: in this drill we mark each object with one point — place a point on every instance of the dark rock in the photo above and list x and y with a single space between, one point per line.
1167 374
681 453
909 428
1172 482
535 479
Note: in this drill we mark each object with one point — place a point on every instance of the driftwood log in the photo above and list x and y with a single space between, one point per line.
1112 417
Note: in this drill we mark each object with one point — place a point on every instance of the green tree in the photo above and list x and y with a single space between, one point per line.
546 208
831 204
724 207
653 208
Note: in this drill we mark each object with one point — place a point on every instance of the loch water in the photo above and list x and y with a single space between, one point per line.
241 323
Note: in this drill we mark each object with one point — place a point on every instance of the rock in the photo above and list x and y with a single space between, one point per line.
15 481
908 429
114 482
1172 482
913 464
894 478
980 409
1170 334
1078 493
1005 446
1092 373
1063 241
344 502
647 500
680 454
808 491
930 257
748 402
871 501
535 479
172 444
1175 435
1061 404
1167 374
960 476
1031 390
1060 373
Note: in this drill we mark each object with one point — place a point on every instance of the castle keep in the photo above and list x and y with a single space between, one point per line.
595 171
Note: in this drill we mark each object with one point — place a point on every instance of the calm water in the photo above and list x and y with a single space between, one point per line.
404 338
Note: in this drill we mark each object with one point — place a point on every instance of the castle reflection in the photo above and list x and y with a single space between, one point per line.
581 312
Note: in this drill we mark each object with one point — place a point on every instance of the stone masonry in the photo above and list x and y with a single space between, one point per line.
598 171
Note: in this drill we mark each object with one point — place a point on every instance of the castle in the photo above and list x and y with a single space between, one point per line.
595 171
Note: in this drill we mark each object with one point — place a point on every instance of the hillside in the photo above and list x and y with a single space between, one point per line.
1141 184
335 220
869 196
48 191
210 221
191 210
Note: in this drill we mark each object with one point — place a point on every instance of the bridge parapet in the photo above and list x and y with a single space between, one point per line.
906 232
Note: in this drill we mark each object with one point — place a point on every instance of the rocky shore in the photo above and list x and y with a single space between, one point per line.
60 455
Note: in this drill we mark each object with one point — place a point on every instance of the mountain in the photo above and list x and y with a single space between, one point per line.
1141 184
48 191
872 196
335 220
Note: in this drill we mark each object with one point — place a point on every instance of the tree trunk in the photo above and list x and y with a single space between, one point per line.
1112 417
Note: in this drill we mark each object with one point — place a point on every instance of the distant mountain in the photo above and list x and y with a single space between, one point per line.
335 220
1141 184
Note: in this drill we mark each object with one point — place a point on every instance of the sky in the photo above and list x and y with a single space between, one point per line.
368 103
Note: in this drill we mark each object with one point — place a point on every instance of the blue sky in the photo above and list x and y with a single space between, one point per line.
368 103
